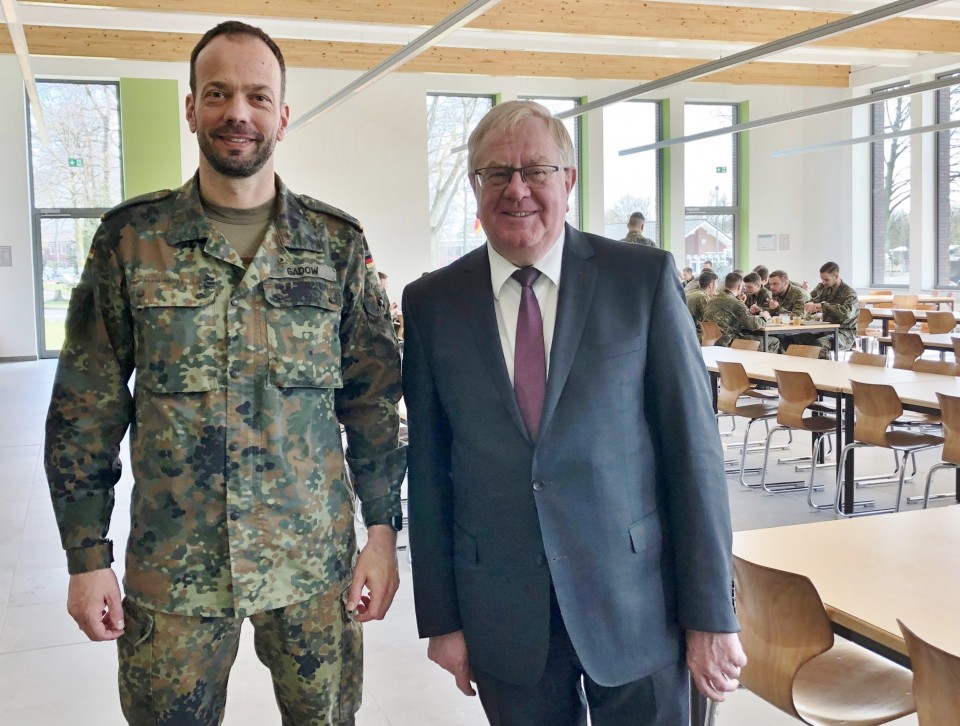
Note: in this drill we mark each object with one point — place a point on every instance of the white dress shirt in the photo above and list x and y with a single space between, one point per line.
506 297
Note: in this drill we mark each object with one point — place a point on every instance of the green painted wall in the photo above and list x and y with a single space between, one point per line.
666 185
150 135
743 192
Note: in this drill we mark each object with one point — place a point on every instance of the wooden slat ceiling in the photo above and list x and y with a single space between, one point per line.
618 20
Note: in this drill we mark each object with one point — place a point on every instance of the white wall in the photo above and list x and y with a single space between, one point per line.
367 157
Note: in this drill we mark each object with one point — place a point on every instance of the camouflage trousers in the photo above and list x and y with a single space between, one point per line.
824 341
174 668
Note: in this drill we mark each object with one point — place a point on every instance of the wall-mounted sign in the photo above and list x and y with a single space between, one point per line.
74 162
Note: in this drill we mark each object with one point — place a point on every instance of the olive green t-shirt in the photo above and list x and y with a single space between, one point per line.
244 229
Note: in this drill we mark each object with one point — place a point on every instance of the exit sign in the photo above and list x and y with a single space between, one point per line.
74 162
720 169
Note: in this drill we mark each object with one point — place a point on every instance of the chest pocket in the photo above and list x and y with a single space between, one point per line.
303 332
178 333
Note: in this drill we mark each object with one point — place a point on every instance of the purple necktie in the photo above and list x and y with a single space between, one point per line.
529 358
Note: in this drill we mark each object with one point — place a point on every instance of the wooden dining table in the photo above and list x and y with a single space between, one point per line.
939 342
917 391
945 300
885 315
797 328
872 570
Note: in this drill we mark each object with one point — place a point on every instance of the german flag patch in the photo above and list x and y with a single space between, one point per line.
368 261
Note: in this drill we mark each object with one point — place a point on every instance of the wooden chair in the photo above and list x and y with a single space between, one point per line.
905 302
865 334
795 663
745 344
950 458
877 406
940 367
903 321
867 359
804 351
936 680
941 321
734 383
907 347
711 333
882 292
797 396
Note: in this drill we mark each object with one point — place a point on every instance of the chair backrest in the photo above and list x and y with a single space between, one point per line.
733 382
941 321
745 344
796 391
864 319
950 418
956 348
711 333
804 351
940 367
882 292
903 321
936 680
907 347
867 359
906 302
782 626
877 406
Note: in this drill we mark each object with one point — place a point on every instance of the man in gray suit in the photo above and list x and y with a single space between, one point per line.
569 521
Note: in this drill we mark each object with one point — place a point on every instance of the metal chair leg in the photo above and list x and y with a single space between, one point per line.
837 506
927 496
813 472
784 486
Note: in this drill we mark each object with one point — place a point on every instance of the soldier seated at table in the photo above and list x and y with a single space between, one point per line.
735 321
785 296
764 272
697 299
694 283
686 275
837 302
757 294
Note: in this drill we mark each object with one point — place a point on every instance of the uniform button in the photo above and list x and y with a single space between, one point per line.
234 373
234 516
234 302
234 446
538 485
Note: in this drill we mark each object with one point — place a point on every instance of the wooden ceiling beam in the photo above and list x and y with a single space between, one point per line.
46 40
614 18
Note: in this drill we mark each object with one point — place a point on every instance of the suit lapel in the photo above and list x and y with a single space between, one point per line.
578 278
477 304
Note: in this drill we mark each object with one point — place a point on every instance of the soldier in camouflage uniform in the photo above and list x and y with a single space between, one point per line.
837 302
698 299
635 231
729 312
757 296
247 365
785 296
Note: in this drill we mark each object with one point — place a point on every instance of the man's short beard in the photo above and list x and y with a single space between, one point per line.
234 166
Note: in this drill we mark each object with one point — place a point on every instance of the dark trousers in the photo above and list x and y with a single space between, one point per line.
564 693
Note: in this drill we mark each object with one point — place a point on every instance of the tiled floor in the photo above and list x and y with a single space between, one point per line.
50 675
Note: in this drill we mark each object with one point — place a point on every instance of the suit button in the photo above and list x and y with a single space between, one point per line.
538 485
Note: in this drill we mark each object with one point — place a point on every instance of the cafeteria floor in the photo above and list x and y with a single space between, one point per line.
51 676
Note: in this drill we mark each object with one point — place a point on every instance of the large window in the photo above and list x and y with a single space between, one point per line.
948 187
75 178
454 227
631 183
711 168
890 216
558 105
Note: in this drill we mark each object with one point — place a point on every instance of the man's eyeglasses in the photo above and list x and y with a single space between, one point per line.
498 177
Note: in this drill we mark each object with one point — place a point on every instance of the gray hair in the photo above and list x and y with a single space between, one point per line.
508 116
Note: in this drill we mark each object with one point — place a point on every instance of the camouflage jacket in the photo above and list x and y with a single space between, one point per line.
697 303
241 502
791 301
731 315
840 305
760 299
638 239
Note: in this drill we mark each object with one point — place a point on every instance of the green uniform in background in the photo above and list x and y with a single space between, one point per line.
759 299
697 303
638 239
735 321
841 306
791 301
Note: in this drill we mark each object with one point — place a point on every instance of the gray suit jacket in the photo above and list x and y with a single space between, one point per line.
621 503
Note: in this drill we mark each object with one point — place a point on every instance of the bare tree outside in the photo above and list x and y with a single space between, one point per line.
891 193
948 188
454 230
75 176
